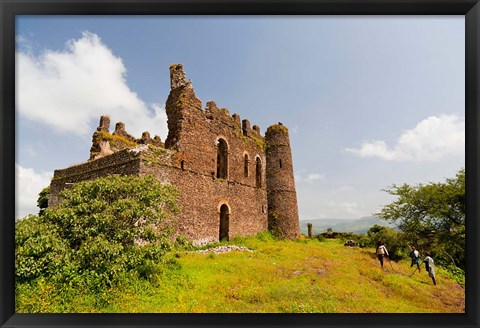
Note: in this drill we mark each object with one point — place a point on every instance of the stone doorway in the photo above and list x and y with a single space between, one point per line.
224 218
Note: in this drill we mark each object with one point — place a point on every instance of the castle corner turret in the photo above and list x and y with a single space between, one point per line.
282 197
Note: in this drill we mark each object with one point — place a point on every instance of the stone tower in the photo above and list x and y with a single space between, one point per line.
182 107
282 197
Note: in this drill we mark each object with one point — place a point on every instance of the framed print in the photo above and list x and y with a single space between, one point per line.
239 163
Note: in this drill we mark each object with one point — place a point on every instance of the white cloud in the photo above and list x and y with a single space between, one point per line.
310 178
345 188
27 186
431 140
314 176
344 207
71 88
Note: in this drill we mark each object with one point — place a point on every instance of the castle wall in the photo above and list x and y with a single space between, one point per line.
193 137
256 200
125 162
194 133
201 197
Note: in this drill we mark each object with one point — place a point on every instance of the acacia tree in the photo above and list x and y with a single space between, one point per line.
432 216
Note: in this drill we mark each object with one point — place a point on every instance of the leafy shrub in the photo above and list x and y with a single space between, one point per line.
364 241
266 236
100 230
394 241
345 236
456 274
183 243
320 237
42 201
39 248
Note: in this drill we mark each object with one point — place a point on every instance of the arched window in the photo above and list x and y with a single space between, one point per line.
245 166
258 171
222 160
280 162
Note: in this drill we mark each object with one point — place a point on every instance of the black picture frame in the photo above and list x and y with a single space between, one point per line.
10 8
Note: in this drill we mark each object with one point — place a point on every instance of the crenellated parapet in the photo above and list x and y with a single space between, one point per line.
216 115
105 143
186 116
120 131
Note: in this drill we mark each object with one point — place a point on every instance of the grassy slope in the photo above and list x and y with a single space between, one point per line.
279 276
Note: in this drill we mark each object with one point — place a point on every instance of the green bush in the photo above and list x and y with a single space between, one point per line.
364 241
39 249
42 201
394 241
266 235
455 273
183 243
320 237
100 230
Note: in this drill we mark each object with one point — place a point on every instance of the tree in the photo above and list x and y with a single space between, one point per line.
102 228
42 201
432 216
394 240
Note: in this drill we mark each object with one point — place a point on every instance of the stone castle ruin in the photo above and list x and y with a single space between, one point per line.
232 180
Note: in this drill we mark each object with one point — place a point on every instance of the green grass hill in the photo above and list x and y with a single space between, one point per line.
301 276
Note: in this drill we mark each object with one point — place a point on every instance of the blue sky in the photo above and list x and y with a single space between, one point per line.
369 101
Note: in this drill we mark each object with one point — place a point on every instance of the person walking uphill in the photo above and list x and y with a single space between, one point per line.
381 252
429 266
415 256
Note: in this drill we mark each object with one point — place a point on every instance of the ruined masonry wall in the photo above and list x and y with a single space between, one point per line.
189 162
124 162
200 199
194 133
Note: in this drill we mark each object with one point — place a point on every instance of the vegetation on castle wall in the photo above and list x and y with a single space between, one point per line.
154 154
277 127
259 142
115 140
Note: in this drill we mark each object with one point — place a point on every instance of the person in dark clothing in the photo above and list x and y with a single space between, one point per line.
415 256
381 252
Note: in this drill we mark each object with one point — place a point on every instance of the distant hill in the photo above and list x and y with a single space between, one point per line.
359 226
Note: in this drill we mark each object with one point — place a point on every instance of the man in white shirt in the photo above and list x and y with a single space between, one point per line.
430 268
